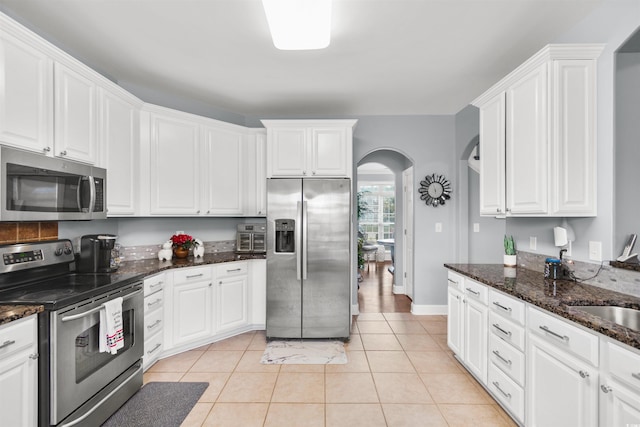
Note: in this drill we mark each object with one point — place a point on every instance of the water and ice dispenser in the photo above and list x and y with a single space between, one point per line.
285 235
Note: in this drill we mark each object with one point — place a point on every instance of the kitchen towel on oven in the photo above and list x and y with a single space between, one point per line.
111 334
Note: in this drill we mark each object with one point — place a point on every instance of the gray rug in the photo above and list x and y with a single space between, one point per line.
158 404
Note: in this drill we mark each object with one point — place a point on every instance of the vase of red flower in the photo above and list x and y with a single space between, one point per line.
181 244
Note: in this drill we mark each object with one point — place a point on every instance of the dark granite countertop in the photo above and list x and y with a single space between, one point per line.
559 297
9 313
148 267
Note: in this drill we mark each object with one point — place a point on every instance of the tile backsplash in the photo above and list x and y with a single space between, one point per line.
15 232
133 253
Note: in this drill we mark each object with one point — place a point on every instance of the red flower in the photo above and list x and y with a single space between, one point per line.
183 240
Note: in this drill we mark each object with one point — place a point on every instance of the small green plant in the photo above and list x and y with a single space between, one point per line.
509 246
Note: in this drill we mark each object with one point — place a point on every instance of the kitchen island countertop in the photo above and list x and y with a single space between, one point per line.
560 297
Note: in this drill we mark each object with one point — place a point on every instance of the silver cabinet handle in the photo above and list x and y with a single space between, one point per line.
497 304
34 356
235 269
194 275
499 356
155 285
476 293
46 149
157 322
63 153
584 374
150 304
453 282
7 343
606 388
549 331
505 394
507 333
154 348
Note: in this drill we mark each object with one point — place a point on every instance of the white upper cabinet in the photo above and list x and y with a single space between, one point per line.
256 174
174 165
75 115
119 136
26 95
309 148
537 139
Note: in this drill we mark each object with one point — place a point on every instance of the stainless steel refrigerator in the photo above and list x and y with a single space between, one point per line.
308 258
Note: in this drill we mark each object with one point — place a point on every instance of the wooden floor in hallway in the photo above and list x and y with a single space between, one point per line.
375 294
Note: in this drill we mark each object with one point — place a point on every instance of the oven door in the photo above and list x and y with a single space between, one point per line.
78 369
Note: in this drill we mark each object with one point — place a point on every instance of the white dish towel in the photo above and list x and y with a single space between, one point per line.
111 333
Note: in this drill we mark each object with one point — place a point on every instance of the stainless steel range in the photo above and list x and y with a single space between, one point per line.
78 384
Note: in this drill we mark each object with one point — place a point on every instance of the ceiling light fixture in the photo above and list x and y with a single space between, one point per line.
299 24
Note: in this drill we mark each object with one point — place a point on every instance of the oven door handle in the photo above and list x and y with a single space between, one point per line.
114 391
95 309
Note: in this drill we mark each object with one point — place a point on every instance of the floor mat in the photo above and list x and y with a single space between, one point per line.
304 353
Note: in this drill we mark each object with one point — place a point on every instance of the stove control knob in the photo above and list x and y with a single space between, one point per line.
58 252
67 250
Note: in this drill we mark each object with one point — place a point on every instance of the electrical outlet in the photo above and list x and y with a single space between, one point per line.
438 227
476 227
533 242
595 251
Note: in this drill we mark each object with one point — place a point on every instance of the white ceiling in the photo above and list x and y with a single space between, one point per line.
387 57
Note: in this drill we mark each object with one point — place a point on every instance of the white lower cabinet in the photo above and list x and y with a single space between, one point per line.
258 292
231 290
192 301
455 323
153 318
19 373
619 385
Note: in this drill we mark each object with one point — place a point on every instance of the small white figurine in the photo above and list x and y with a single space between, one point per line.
166 253
198 250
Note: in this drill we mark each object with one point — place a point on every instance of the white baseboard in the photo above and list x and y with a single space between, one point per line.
428 309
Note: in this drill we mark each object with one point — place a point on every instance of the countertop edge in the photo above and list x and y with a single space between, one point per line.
9 313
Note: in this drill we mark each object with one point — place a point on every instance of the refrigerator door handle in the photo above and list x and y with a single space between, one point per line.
298 241
304 240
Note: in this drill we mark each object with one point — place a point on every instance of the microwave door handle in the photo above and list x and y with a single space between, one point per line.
92 194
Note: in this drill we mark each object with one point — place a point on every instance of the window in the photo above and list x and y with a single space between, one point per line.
378 222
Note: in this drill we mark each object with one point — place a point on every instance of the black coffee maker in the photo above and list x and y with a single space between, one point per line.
95 253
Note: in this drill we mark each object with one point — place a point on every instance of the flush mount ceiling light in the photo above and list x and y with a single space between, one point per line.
299 24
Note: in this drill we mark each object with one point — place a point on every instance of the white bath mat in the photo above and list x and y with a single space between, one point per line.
304 353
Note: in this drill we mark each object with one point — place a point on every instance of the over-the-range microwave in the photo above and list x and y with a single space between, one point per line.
35 187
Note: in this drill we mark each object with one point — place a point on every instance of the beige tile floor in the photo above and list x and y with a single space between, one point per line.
400 373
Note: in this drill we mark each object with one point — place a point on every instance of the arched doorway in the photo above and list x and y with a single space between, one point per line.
388 176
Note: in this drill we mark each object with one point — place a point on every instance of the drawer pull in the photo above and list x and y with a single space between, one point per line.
549 331
497 304
507 333
155 285
235 269
453 282
499 356
194 275
157 301
7 343
584 374
606 388
157 322
636 376
154 348
505 394
476 293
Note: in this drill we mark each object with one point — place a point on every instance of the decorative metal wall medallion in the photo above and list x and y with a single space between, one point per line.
435 190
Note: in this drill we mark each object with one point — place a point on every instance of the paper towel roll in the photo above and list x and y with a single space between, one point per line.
560 236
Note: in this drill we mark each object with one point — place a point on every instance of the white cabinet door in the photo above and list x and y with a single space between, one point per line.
455 321
174 166
232 303
192 311
526 149
492 156
574 139
260 176
26 96
329 154
223 171
561 389
258 291
120 136
475 338
75 115
287 155
619 405
19 373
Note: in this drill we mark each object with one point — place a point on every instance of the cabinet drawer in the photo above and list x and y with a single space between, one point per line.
509 331
510 360
231 269
152 350
153 323
506 391
17 335
564 335
624 364
476 291
153 302
153 284
507 306
455 280
193 274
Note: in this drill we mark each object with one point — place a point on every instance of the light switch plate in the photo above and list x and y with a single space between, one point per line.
438 227
595 251
476 227
533 242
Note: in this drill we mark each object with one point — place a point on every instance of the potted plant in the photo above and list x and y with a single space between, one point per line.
181 244
362 208
509 252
